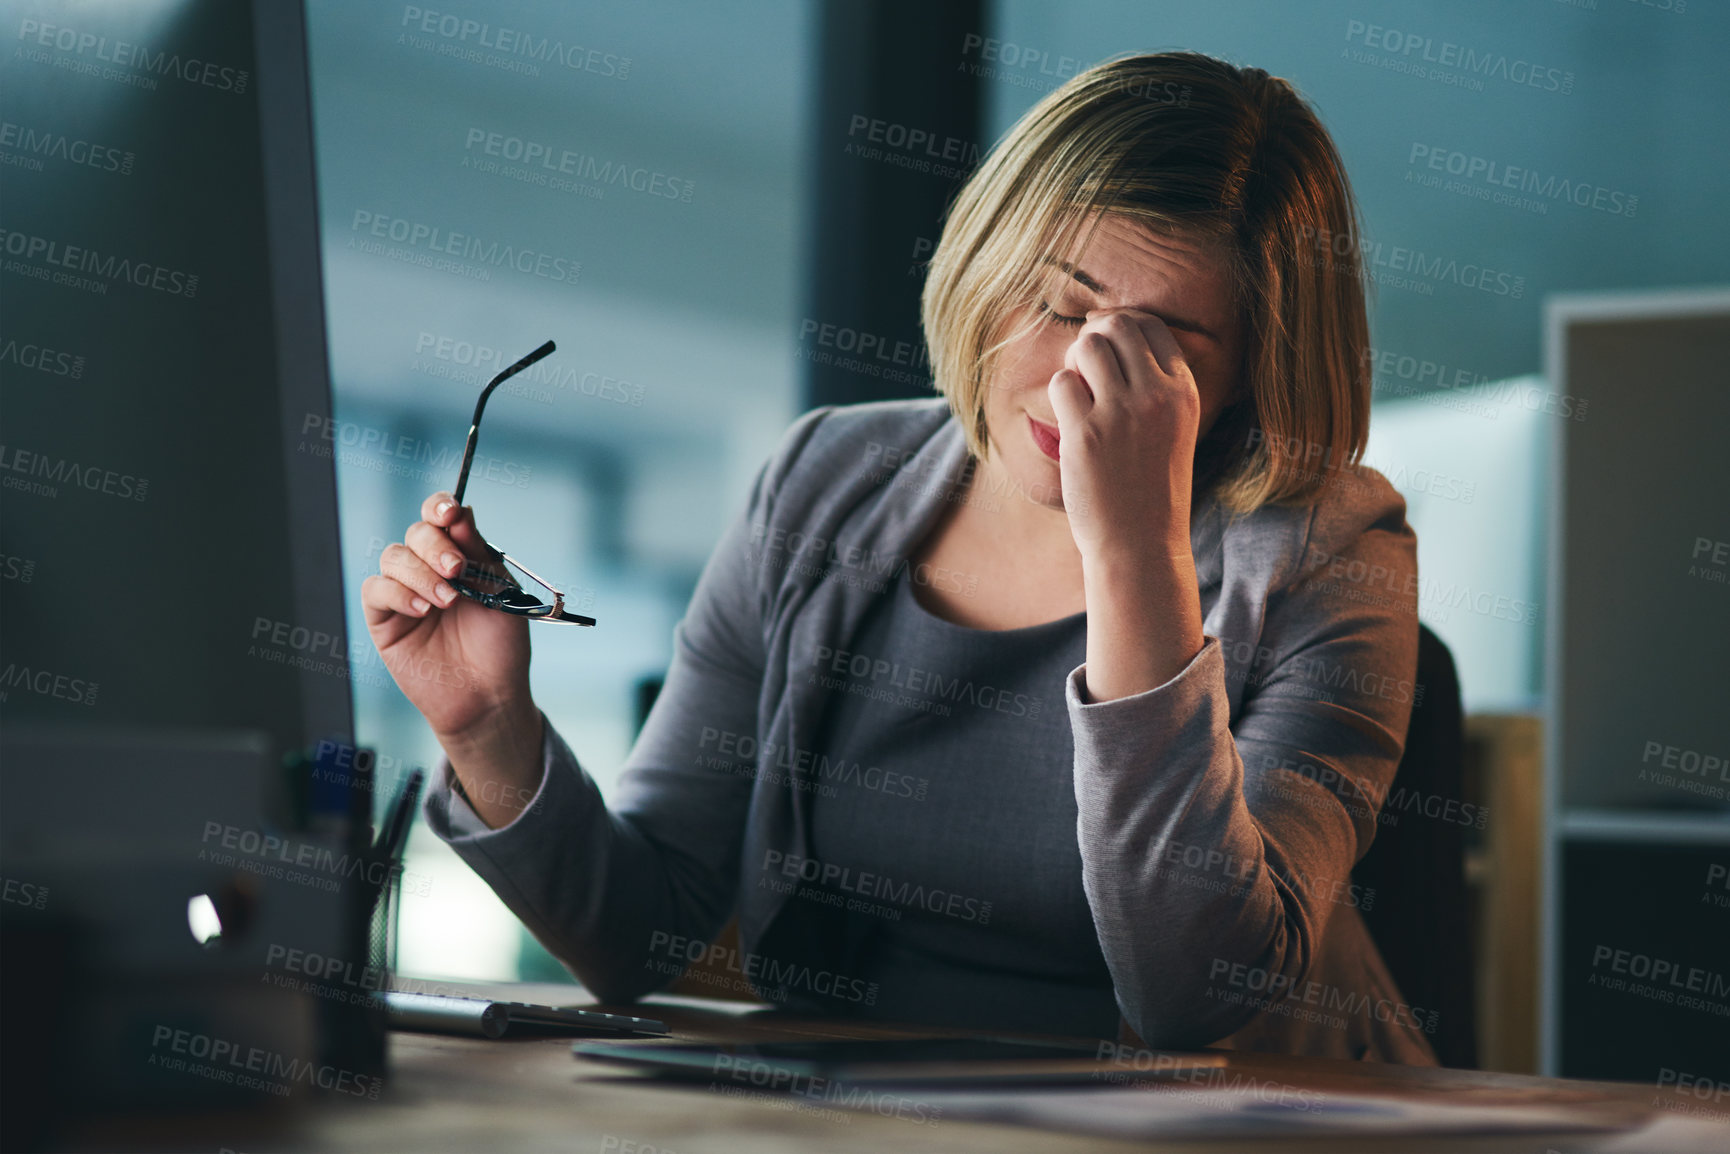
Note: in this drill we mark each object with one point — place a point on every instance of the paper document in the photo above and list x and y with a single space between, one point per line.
1242 1112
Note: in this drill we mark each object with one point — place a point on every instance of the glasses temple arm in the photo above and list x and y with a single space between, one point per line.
538 579
480 407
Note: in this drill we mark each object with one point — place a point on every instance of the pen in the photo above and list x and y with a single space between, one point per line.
400 818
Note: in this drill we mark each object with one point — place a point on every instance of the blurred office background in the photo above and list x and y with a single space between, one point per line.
728 178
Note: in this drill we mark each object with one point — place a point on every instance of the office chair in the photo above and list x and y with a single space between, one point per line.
1417 865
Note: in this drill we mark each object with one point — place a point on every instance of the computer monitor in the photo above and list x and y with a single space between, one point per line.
175 714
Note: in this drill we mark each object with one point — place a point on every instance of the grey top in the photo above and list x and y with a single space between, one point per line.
964 895
1218 816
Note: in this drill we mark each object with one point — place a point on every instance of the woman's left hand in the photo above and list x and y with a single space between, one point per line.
1127 415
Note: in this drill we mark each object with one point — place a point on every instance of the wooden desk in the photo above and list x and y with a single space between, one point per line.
457 1094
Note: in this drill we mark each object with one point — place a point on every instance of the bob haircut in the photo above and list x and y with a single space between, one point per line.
1184 143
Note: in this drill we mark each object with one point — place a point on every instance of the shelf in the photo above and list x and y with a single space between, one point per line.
1643 825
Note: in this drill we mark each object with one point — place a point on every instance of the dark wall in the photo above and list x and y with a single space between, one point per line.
897 132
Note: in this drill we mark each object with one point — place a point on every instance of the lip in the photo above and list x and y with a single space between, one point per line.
1045 436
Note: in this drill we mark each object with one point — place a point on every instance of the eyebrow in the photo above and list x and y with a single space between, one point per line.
1093 285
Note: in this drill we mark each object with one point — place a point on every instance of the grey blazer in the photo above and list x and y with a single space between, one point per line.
1220 813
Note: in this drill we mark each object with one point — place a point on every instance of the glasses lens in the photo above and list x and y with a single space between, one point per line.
487 574
507 601
516 601
510 597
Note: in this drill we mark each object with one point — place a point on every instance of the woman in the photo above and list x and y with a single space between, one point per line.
1150 343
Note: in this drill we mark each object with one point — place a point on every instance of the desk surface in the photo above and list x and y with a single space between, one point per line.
459 1094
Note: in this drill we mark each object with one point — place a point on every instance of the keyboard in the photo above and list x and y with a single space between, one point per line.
489 1018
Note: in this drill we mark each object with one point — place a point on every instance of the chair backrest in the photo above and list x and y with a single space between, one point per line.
1420 916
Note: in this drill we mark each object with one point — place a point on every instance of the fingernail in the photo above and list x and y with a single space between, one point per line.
445 593
443 508
420 605
451 562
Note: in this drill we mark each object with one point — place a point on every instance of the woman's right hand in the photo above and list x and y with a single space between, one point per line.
464 666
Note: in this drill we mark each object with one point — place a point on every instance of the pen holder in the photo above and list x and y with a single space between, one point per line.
387 854
353 1033
382 930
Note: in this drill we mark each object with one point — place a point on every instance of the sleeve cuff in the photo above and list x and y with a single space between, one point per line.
1191 681
460 816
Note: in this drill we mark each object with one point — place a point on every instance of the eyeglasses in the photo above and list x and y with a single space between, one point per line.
511 597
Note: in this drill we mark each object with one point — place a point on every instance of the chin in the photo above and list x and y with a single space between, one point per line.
1040 482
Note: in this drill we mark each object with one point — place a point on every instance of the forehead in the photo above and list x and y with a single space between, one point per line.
1143 266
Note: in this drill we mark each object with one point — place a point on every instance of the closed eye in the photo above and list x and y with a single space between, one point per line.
1061 318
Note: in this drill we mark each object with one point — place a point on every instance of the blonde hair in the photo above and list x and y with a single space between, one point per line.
1180 142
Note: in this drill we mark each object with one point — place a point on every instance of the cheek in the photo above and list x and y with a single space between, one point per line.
1214 375
1028 363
